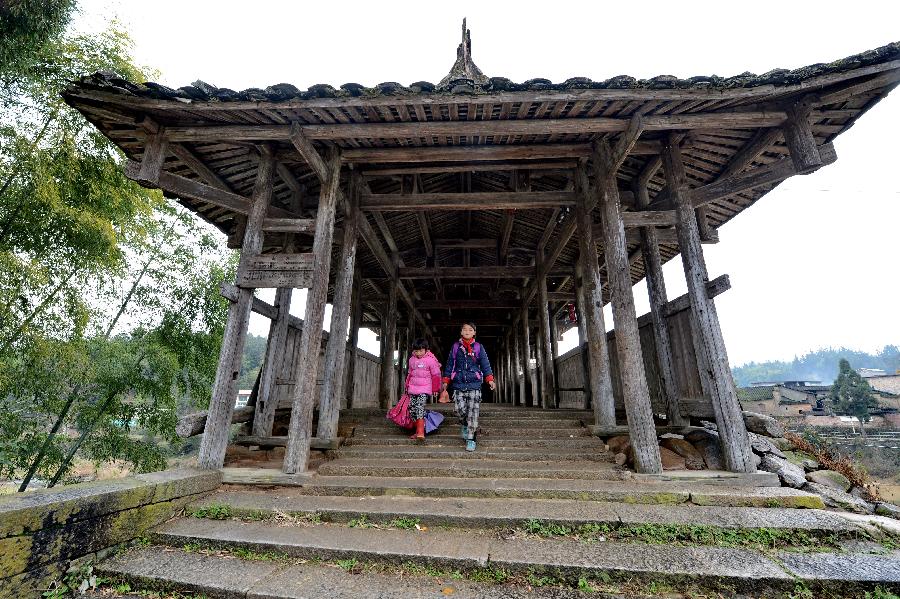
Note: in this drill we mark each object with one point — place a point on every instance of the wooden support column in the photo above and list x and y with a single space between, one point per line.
656 289
224 392
708 342
581 315
388 330
598 352
266 401
635 391
518 364
336 350
554 354
355 319
526 362
303 395
154 156
544 332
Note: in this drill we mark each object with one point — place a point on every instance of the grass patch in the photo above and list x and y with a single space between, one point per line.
404 523
816 446
697 535
212 511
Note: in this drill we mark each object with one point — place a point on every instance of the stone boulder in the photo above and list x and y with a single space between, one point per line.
671 460
707 444
763 445
692 458
839 499
621 459
791 475
619 444
830 478
763 425
782 443
887 509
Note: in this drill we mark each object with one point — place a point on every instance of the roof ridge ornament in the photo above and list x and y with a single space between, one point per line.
464 70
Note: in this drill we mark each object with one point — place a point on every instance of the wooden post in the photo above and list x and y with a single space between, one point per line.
154 156
635 391
303 395
266 400
388 329
224 393
546 347
526 349
554 354
708 342
355 319
538 366
656 289
519 399
336 350
580 314
601 391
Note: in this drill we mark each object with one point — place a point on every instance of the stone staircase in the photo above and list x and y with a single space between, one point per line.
539 510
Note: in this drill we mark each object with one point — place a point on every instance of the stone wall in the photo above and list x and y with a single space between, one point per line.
889 383
43 533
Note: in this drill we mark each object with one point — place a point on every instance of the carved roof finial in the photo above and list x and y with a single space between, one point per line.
464 68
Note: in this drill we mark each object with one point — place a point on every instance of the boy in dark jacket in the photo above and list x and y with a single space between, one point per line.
467 368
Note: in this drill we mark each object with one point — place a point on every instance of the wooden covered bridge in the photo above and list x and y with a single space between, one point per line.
481 198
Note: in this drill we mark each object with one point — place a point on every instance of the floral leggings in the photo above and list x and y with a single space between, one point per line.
417 405
468 404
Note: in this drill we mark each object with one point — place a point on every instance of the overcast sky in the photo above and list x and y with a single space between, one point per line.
815 263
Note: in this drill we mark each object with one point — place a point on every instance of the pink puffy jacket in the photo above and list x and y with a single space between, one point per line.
424 375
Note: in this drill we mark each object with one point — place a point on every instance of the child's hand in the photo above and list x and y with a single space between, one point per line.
493 385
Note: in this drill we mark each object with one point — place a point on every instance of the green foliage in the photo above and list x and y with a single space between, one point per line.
404 523
347 564
880 593
851 394
26 27
362 521
213 511
820 365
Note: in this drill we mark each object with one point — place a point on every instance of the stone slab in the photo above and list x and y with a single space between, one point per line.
712 477
262 476
487 512
483 443
759 497
458 452
188 572
473 469
466 551
845 567
27 512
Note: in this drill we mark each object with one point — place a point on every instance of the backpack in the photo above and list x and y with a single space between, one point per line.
476 350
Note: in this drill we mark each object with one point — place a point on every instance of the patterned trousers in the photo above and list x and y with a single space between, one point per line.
468 403
417 405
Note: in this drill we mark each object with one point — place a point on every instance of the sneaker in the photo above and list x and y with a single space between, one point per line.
465 431
470 445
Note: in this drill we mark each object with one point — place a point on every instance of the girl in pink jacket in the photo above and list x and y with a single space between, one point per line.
422 382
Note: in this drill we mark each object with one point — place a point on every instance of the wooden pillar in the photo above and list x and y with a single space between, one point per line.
635 391
224 392
336 350
526 349
708 343
538 369
388 329
554 354
656 289
544 336
799 138
303 394
355 319
601 390
276 345
519 366
581 315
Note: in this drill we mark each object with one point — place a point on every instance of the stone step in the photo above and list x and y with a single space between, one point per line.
731 491
208 574
452 430
457 451
463 512
485 468
492 422
743 570
483 443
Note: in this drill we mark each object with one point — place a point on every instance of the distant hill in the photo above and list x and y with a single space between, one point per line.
820 365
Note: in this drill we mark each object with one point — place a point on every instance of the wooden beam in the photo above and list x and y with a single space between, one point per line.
626 142
155 150
544 168
469 304
649 218
476 272
422 220
458 244
480 153
395 130
800 140
289 225
716 287
466 201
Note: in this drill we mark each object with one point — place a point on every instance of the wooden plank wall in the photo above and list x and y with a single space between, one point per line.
367 375
693 403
